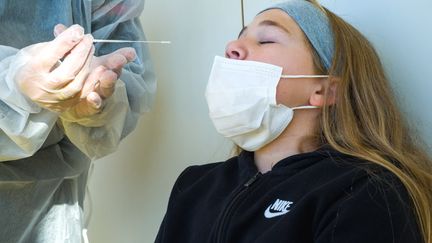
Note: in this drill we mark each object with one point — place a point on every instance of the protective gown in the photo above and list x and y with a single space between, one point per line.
45 159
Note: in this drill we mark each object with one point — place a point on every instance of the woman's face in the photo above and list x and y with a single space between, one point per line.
273 37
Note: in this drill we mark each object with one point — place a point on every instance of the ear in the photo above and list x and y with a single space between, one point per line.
319 97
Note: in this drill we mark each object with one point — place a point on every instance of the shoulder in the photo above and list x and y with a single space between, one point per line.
366 203
201 174
378 189
192 173
376 208
357 174
368 179
373 187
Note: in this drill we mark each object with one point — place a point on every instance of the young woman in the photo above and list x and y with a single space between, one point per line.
325 155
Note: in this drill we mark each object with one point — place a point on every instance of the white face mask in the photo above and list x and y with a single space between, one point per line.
241 97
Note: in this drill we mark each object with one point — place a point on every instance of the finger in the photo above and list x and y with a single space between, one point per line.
107 83
58 29
75 86
92 80
117 59
115 62
95 101
91 105
73 62
62 44
127 52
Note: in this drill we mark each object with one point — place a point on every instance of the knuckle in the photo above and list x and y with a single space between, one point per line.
74 89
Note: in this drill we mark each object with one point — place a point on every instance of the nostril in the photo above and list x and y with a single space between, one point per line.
234 54
236 50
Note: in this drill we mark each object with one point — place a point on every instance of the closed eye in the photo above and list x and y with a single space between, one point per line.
266 42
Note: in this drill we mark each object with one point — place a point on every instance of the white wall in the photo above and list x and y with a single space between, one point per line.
401 31
130 188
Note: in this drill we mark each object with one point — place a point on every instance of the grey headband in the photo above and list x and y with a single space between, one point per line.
314 24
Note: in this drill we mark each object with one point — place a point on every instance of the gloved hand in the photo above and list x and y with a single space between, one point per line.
50 85
100 84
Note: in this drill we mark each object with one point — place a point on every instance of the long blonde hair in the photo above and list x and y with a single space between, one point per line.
366 122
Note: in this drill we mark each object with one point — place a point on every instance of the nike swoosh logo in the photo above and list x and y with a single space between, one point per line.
270 215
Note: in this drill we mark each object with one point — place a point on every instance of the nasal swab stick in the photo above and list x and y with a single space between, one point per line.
124 41
131 41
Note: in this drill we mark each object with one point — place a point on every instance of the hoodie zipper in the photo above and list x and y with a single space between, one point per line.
227 212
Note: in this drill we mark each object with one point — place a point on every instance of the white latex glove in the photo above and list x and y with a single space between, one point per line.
100 84
50 85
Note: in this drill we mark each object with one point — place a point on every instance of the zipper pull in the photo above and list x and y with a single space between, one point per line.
253 179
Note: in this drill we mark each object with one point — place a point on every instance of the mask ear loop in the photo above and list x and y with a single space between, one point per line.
304 76
305 107
242 13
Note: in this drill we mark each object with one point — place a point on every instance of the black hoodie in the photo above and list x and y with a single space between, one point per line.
321 196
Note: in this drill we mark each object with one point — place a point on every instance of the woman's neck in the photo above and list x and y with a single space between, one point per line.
299 137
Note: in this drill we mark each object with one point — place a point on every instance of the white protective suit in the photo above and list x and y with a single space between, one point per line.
44 159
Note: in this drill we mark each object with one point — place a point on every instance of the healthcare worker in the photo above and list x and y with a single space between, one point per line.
63 102
326 155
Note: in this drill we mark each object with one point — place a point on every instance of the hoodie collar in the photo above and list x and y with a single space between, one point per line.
294 162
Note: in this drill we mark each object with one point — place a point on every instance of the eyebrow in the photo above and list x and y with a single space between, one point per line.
267 23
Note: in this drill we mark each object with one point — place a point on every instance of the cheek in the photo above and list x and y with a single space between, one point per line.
298 64
291 92
296 59
284 93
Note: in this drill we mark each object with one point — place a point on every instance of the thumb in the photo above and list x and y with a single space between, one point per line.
94 100
89 106
58 29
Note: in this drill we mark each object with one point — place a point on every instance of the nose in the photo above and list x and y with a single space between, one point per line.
236 50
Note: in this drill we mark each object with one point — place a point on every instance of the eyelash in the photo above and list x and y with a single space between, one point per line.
266 42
